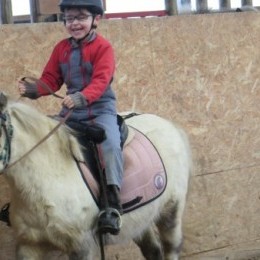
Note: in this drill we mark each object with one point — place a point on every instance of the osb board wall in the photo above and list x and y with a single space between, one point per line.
48 6
202 72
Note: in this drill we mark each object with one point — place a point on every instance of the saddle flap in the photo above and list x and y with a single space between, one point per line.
144 173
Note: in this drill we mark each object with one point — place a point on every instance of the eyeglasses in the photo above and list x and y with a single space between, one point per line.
79 18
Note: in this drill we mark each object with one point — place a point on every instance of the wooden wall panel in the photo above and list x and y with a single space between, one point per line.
201 71
48 6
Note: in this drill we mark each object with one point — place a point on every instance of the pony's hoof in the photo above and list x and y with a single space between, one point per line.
4 214
109 221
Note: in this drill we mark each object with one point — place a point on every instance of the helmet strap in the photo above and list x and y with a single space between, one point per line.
92 26
92 23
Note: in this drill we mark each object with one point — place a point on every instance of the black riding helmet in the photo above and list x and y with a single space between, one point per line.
93 6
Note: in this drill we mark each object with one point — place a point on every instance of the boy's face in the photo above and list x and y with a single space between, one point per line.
78 22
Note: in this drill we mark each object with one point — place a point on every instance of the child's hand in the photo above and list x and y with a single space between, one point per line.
27 89
75 100
21 87
68 102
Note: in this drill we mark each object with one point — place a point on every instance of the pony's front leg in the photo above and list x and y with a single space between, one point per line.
170 230
81 255
149 245
29 252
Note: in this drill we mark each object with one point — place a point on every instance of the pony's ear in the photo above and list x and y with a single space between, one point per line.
3 101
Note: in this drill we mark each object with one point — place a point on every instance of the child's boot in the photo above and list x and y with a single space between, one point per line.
109 220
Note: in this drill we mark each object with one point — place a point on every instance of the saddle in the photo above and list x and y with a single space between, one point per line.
96 134
144 173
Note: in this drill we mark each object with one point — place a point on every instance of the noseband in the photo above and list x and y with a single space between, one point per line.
6 128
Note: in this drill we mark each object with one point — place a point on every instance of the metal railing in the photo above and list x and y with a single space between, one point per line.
175 7
47 10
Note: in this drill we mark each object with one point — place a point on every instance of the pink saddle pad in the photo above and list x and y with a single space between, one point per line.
144 174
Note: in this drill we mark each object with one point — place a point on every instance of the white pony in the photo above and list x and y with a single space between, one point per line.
52 208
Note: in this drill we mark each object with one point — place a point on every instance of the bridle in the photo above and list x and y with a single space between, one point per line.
6 128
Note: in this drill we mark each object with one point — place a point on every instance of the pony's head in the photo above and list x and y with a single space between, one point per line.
22 127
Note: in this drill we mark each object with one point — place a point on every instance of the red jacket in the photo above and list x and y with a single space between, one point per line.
95 51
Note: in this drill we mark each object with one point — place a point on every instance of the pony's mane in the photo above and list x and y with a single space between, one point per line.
39 125
31 119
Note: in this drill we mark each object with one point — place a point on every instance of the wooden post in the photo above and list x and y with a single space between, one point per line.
104 5
225 4
247 2
171 7
33 11
6 14
202 6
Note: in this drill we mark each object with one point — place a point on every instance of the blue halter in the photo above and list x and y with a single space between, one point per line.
6 126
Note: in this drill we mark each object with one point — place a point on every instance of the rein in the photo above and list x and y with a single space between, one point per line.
7 147
42 84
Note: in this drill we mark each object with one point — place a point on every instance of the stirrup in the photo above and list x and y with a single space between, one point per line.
4 214
109 221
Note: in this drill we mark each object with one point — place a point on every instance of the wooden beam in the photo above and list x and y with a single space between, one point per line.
6 15
225 4
202 6
171 7
135 14
247 2
33 11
